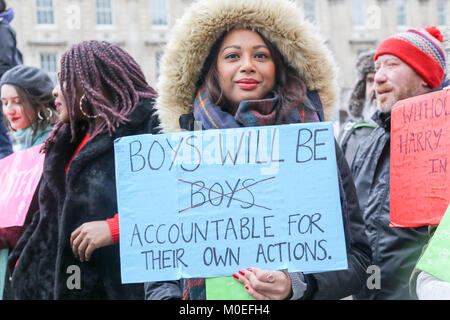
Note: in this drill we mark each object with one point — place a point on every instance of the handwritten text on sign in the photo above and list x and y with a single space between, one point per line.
19 176
206 203
420 166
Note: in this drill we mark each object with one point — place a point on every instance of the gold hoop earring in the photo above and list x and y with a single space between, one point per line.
82 111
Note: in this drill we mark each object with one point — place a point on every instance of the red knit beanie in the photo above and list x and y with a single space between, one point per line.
421 49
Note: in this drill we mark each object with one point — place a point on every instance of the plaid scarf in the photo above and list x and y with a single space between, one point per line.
250 113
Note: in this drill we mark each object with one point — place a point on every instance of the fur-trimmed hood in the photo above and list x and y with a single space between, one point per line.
364 65
193 36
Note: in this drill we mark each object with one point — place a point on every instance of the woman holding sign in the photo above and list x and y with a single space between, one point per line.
256 63
102 95
29 114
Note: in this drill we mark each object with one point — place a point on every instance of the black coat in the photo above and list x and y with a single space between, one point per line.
352 135
9 57
86 193
394 250
321 286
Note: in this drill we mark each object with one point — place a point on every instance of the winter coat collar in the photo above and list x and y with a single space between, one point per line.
280 21
383 119
62 150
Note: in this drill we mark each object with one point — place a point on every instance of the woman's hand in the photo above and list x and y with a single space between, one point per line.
88 237
265 284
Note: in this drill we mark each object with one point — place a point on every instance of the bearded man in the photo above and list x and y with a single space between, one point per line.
407 64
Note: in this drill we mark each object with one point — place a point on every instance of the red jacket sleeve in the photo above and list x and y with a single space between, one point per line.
114 228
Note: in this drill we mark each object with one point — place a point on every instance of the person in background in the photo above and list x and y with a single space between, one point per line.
10 56
28 105
240 70
29 114
361 107
407 64
102 95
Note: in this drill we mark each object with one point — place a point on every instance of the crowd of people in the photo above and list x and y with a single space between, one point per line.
228 64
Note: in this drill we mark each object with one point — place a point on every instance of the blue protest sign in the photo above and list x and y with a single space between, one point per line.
208 203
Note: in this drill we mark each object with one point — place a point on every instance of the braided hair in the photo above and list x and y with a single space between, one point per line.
112 83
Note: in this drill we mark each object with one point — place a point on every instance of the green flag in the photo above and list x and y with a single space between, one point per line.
436 258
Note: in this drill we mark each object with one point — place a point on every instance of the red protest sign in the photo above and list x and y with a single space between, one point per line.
20 173
420 160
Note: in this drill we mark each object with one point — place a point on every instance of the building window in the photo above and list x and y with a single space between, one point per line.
49 64
104 12
402 13
359 13
44 11
442 12
159 12
310 10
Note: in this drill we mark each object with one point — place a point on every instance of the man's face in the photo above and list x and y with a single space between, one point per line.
370 102
394 81
370 88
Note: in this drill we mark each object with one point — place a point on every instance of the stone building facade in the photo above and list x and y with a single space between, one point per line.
46 28
353 26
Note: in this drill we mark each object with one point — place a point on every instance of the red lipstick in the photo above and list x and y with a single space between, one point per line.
247 84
